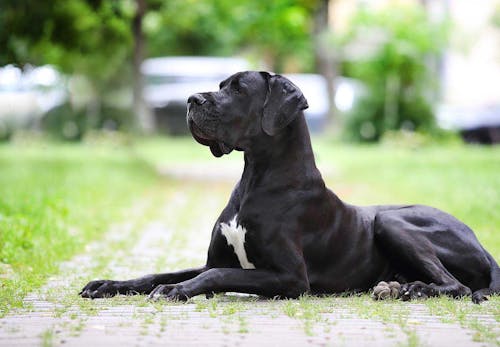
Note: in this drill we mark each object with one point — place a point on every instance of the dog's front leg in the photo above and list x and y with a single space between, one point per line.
141 285
261 282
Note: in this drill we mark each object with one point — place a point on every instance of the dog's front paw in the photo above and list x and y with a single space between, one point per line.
416 290
100 289
173 292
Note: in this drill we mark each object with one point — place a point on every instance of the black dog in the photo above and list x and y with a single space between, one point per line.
283 233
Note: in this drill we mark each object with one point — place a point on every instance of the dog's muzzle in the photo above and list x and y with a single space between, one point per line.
218 148
198 134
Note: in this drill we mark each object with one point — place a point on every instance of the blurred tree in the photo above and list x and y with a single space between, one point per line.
325 61
92 38
276 32
280 32
495 18
389 50
186 27
144 119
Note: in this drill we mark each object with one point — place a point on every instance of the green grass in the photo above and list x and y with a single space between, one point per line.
53 200
48 338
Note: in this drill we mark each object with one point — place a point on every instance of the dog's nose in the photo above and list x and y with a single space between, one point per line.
197 98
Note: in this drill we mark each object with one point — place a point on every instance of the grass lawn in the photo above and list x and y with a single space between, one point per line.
54 199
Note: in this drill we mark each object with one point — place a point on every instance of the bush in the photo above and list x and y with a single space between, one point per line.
71 124
394 52
5 130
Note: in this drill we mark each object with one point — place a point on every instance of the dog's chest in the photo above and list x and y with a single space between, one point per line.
235 236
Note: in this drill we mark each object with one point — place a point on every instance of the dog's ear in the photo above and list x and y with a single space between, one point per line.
283 104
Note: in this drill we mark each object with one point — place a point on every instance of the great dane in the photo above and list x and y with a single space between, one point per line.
283 233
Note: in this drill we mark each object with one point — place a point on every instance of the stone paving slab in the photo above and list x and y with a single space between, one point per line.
55 316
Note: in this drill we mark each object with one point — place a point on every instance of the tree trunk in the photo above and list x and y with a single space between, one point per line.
143 118
324 55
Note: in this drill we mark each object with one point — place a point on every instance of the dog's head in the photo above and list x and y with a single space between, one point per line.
248 108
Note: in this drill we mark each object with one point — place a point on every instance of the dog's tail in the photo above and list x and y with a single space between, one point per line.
481 295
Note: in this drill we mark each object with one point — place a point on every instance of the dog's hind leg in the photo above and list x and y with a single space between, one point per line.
414 256
482 294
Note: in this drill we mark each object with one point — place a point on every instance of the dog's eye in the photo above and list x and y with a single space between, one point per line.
237 88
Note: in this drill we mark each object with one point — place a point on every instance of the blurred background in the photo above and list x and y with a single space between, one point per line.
370 69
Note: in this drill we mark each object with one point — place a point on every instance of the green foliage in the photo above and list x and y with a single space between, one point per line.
80 36
5 130
495 18
280 32
392 51
191 28
93 37
90 38
66 122
275 31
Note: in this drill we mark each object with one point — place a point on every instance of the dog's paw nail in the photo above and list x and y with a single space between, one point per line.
154 297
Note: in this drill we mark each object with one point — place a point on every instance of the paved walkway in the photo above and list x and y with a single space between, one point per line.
56 316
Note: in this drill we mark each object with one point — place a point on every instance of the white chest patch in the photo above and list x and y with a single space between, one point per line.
235 236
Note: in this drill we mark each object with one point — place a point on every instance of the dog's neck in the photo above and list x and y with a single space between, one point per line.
286 152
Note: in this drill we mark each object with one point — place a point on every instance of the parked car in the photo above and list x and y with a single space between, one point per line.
169 81
315 89
475 124
26 94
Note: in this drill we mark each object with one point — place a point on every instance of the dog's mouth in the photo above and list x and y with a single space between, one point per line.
218 148
199 135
